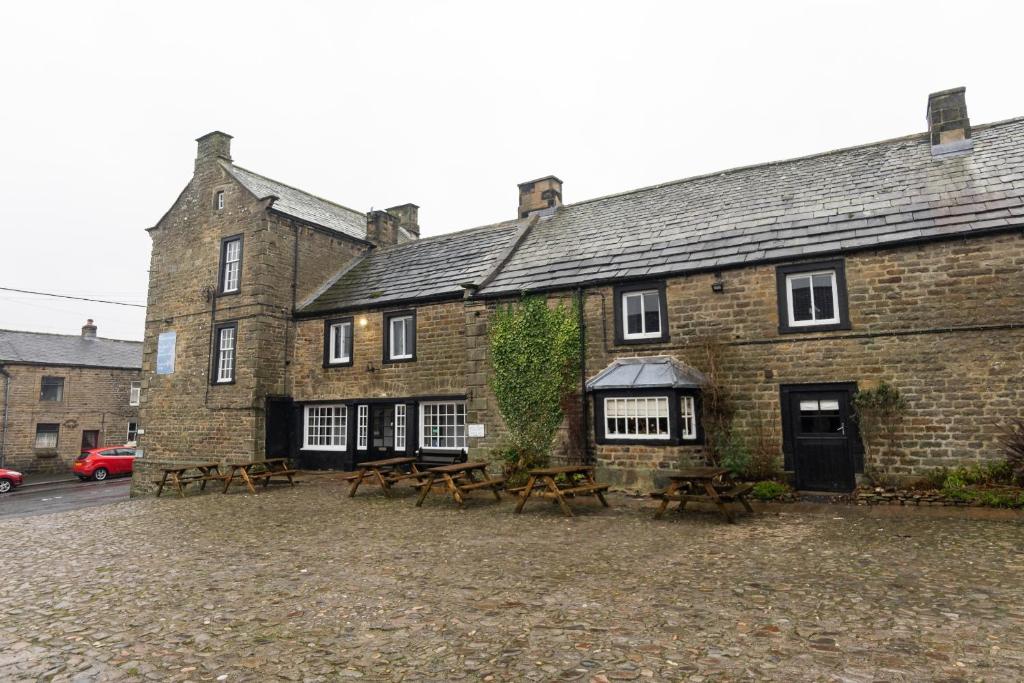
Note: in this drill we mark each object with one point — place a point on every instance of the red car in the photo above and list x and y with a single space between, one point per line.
100 463
9 480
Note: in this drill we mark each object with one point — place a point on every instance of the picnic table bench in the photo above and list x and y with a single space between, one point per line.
180 478
577 480
386 472
262 469
459 479
703 485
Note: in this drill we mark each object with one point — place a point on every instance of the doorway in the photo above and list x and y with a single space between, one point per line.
90 439
820 436
382 430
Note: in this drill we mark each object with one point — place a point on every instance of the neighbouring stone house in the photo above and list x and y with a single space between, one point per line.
64 393
282 324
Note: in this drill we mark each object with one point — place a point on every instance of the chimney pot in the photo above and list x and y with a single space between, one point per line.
215 145
537 195
949 129
89 330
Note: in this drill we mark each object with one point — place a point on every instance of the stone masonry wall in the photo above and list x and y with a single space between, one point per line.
94 399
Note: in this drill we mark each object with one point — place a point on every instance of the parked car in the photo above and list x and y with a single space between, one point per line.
9 480
100 463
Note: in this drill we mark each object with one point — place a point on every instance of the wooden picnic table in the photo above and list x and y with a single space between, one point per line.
386 472
179 477
459 479
261 469
703 485
577 480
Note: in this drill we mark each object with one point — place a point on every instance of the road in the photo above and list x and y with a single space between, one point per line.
61 497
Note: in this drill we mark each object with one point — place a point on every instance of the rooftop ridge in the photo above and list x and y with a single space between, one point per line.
71 336
449 235
291 187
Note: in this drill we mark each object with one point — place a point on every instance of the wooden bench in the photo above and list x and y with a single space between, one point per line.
578 480
206 471
263 469
386 472
459 479
703 485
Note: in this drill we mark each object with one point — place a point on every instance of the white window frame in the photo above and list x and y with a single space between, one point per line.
220 200
128 437
687 418
406 321
339 437
400 426
226 355
135 394
232 274
427 441
332 337
793 322
362 427
641 410
644 333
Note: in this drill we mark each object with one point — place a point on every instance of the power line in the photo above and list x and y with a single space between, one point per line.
76 298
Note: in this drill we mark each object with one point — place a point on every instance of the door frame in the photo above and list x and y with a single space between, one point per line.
855 448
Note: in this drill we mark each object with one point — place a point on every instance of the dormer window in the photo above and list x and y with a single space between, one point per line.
338 342
641 313
400 336
220 200
230 264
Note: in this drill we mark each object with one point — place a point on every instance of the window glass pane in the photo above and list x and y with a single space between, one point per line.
800 288
232 264
820 417
443 425
400 427
408 331
327 426
341 342
136 394
52 389
226 355
637 417
687 418
46 435
823 303
634 317
652 313
362 426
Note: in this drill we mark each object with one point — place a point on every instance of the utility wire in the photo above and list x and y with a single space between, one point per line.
76 298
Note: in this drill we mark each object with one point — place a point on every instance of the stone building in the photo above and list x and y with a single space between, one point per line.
282 324
64 393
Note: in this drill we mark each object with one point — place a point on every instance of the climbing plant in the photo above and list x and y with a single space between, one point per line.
535 357
878 412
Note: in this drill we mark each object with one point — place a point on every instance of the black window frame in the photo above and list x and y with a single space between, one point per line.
223 264
388 317
619 290
674 413
42 386
783 272
327 342
215 361
35 437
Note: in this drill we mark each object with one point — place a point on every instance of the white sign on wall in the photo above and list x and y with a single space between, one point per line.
165 353
476 431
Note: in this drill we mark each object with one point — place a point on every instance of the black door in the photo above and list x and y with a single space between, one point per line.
382 431
90 439
280 422
820 435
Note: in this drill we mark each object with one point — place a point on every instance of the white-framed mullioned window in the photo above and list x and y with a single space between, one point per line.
400 425
641 314
443 425
362 427
401 337
339 343
687 418
135 395
812 298
225 365
220 200
231 268
325 427
644 417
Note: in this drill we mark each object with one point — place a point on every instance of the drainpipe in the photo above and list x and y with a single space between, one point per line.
3 428
584 416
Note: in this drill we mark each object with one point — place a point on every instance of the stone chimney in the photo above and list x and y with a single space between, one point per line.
408 217
948 125
213 146
382 228
543 193
88 330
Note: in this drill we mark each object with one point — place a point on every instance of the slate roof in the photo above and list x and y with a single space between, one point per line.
301 205
653 372
64 349
869 196
428 268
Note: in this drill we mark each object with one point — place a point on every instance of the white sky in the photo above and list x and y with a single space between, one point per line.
445 104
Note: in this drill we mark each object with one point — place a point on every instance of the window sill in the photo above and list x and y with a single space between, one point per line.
45 452
823 327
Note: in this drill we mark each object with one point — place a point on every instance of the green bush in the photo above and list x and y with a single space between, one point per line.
769 490
734 454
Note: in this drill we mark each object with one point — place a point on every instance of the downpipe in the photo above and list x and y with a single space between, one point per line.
3 428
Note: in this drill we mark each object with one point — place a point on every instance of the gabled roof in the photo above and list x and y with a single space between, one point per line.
429 268
870 196
302 205
40 348
652 372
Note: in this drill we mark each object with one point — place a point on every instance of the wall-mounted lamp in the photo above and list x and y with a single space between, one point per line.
718 286
363 321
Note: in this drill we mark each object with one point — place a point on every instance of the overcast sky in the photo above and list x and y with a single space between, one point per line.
447 105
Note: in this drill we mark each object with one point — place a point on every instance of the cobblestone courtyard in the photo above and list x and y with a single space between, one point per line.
307 584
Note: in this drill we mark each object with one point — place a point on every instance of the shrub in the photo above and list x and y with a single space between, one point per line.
734 454
879 412
1013 445
769 490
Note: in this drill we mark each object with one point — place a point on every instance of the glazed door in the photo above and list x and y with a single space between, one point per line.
820 427
382 431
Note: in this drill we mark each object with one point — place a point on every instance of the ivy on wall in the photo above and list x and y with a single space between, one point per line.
535 357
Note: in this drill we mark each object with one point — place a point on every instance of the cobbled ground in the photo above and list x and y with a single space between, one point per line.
306 584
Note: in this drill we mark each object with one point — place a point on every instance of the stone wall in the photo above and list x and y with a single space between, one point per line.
94 399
